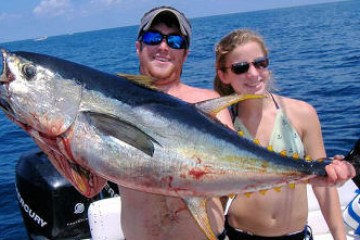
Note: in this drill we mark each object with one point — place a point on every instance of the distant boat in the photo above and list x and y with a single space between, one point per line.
40 38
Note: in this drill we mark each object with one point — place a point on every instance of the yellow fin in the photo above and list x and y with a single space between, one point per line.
283 153
277 189
308 158
214 106
292 185
263 192
197 207
256 141
248 194
295 156
142 80
270 148
240 133
231 196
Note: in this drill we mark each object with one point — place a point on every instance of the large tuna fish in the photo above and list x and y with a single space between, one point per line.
96 126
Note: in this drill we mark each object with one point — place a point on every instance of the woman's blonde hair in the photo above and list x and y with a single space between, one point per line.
226 45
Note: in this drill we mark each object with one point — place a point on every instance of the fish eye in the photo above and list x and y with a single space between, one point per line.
29 71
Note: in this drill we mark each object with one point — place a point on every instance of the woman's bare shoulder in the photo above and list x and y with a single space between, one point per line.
296 106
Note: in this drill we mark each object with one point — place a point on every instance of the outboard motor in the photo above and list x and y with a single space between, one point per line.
50 206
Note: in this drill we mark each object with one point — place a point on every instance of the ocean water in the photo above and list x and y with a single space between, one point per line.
314 52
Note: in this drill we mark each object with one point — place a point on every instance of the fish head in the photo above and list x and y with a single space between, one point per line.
34 95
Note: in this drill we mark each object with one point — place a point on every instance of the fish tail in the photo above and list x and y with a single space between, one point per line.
353 157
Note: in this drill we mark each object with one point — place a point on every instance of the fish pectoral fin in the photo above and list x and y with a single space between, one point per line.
197 207
141 80
214 106
111 125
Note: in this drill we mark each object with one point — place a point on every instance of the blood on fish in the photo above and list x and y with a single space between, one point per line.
197 173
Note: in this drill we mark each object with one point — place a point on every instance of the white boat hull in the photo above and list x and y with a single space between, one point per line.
105 223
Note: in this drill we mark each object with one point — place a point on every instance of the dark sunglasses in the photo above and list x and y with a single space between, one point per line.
175 41
243 67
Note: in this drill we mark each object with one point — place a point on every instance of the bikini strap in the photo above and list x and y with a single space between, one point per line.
276 104
233 111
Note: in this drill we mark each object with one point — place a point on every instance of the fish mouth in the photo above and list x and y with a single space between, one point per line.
4 79
6 107
3 73
6 75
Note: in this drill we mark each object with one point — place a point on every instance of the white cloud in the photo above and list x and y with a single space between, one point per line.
106 2
53 7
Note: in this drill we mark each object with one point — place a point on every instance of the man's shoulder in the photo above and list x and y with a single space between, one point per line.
201 94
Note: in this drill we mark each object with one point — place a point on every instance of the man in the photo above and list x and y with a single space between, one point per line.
162 48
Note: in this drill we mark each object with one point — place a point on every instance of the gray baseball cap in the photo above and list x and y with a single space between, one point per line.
148 18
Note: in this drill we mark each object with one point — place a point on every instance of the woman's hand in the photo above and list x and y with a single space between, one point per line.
338 172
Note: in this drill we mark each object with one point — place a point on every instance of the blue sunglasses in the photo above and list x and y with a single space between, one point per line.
175 41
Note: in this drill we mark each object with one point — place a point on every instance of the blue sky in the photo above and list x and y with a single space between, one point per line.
26 19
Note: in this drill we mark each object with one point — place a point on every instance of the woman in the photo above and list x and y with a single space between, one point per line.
283 124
